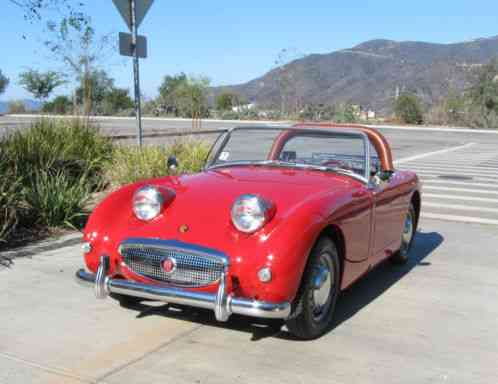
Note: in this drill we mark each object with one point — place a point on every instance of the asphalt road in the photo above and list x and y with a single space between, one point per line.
431 321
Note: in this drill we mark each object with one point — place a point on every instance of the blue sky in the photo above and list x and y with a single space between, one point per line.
232 41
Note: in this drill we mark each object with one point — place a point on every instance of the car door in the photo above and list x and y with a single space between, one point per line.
388 211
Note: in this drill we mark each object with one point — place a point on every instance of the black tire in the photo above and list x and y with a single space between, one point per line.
306 321
402 256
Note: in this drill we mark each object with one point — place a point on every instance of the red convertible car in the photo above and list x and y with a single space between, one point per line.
280 221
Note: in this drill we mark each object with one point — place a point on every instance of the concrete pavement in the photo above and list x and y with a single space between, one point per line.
432 321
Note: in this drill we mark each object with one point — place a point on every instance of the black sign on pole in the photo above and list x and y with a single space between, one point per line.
133 12
136 71
125 45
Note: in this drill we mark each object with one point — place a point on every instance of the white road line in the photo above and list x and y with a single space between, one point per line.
467 164
464 219
460 197
428 154
476 176
459 207
459 171
470 190
452 170
427 181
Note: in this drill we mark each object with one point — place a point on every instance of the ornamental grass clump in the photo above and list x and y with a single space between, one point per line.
131 163
47 174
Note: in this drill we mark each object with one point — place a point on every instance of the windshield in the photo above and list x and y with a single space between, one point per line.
322 149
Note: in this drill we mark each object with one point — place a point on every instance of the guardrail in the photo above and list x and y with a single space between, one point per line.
168 134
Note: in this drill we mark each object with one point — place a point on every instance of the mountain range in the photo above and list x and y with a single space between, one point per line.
371 74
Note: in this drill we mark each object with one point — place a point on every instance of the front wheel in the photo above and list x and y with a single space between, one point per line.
313 308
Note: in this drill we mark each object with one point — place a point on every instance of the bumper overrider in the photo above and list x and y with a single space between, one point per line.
222 303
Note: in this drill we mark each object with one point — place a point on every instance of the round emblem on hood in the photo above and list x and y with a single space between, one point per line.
168 265
183 228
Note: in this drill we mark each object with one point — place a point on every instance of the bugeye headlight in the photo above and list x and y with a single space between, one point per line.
251 212
147 203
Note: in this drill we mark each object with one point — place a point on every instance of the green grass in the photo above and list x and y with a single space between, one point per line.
131 163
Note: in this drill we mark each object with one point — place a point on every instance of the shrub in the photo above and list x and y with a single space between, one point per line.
47 173
408 109
60 105
10 198
131 164
72 146
57 200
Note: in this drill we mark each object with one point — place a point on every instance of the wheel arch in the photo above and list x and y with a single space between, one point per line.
335 234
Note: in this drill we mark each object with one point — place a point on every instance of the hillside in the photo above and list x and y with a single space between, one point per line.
369 73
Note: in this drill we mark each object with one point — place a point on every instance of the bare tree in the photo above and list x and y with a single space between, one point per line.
33 9
74 43
288 82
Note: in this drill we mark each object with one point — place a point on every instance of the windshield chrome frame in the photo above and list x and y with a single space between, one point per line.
339 131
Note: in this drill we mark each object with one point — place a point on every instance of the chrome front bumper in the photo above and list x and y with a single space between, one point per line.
222 303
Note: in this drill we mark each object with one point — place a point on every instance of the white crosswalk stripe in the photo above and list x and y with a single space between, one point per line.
459 184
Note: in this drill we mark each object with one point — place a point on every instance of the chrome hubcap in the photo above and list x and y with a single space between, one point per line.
322 281
407 235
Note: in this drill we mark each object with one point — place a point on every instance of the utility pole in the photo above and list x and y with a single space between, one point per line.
136 71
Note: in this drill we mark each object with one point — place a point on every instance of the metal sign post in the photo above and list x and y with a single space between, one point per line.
136 71
133 12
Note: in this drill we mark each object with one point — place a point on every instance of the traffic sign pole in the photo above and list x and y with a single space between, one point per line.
136 71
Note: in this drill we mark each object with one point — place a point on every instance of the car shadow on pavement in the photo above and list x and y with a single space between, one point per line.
351 301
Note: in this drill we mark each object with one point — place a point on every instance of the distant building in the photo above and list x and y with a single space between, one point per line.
244 107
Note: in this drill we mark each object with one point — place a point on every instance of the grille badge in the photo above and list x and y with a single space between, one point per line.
168 264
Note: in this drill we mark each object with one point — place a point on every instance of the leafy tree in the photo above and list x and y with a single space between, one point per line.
346 113
92 91
4 82
168 91
191 97
115 100
184 95
485 92
40 84
226 101
60 105
408 109
483 97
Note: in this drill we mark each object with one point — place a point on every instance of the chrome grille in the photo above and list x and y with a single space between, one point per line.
194 268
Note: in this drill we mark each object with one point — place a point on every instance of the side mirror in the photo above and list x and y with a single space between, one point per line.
172 163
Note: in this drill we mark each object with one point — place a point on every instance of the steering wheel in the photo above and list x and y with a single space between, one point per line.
337 164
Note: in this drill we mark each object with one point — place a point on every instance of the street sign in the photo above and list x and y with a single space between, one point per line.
141 9
126 45
133 12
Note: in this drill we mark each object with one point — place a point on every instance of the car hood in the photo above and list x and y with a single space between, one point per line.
214 191
200 210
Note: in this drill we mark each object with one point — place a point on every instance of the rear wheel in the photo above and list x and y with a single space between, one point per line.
313 308
409 229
